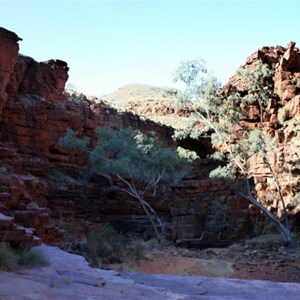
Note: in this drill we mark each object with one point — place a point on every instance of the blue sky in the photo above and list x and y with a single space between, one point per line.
108 44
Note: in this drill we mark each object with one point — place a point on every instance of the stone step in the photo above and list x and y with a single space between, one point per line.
12 233
4 195
36 241
6 221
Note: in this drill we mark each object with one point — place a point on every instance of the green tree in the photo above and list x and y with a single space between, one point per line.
69 140
224 118
139 161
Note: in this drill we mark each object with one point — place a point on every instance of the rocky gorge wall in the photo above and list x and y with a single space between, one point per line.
46 192
281 120
34 113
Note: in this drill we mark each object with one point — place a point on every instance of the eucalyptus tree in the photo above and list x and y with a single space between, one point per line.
138 160
223 118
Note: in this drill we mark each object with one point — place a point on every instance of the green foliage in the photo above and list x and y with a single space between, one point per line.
268 241
136 248
135 158
193 130
139 156
235 249
269 198
69 140
283 114
255 142
217 156
199 82
257 80
227 172
8 259
139 251
189 155
106 246
32 259
59 178
216 219
296 200
180 98
190 71
225 118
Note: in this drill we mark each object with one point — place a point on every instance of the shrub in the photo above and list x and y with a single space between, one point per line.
282 114
268 241
235 250
295 201
32 259
136 248
106 246
8 259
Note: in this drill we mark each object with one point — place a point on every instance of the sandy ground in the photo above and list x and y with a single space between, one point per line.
256 265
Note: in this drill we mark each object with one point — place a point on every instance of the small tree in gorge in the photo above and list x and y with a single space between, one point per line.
225 119
139 161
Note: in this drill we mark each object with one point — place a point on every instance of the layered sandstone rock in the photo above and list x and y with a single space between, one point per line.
41 181
282 121
45 79
14 235
9 49
35 113
208 213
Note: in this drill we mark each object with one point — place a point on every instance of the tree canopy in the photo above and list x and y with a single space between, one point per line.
137 159
135 155
225 118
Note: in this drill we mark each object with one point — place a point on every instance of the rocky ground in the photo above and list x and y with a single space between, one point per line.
263 258
68 276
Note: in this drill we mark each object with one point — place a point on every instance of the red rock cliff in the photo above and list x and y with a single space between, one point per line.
35 113
282 120
9 49
40 181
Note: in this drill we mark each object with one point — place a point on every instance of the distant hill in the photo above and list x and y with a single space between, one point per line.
151 102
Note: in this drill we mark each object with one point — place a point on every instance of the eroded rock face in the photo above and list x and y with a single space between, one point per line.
208 213
40 180
9 49
45 79
35 113
282 120
287 74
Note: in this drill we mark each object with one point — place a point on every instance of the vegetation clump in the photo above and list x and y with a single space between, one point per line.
106 246
137 160
32 259
8 259
268 241
11 259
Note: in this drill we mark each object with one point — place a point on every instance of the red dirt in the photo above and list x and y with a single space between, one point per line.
181 262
